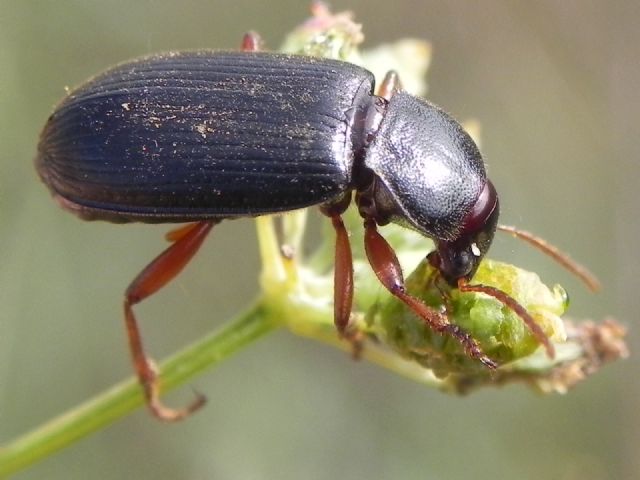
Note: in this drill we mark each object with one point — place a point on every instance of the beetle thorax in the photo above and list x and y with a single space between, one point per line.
425 171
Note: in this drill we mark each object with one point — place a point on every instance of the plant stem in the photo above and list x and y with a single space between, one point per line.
126 396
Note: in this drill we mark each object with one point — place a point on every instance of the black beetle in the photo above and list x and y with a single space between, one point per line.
205 136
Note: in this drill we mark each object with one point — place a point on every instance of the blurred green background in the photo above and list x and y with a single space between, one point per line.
555 86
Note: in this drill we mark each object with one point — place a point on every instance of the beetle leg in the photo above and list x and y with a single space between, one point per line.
177 233
251 42
156 275
343 287
343 273
343 276
385 264
435 281
390 85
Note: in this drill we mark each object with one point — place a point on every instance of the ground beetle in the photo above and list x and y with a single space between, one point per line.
206 136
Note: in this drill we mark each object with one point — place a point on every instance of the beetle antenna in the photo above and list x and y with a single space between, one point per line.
510 302
562 258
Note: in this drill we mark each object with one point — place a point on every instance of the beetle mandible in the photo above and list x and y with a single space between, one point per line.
205 136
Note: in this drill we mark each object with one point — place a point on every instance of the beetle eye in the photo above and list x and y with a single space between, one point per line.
480 224
486 203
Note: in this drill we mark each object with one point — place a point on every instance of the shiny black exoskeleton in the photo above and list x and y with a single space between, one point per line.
205 136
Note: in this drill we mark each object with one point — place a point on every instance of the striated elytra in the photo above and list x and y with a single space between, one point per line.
201 135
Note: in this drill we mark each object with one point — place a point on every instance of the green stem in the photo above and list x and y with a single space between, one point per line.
125 397
321 329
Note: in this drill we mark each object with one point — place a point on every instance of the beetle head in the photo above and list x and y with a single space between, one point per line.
427 174
460 258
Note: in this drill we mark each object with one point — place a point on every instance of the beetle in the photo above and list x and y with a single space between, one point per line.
209 135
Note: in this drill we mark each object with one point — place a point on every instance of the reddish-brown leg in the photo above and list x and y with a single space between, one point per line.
179 232
390 85
343 288
385 264
343 276
156 275
251 42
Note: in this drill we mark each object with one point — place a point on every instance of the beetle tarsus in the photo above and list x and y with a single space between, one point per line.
148 377
470 345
